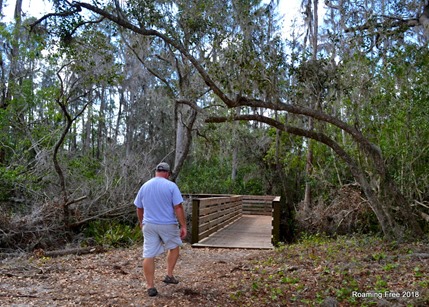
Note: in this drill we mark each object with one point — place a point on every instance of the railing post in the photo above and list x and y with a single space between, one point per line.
275 237
195 220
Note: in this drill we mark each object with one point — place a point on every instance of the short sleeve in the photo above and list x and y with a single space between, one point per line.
177 196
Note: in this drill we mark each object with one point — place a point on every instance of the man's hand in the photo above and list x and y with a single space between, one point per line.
180 214
140 213
183 232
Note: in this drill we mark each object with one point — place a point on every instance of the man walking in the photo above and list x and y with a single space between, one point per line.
159 209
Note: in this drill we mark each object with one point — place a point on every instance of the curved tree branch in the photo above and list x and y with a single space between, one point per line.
357 135
388 24
76 9
150 32
318 136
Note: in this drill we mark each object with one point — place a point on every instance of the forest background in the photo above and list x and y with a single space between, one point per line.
333 117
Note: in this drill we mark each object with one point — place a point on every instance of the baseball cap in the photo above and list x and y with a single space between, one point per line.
163 167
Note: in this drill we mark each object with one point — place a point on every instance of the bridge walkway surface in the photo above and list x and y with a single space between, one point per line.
249 232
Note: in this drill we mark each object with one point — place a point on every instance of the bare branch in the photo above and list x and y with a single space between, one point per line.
150 32
77 9
404 24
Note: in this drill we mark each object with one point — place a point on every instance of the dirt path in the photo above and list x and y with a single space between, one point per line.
346 271
115 278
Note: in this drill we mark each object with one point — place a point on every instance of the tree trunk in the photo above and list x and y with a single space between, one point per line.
7 91
308 173
2 82
101 129
184 119
234 166
313 25
57 166
13 69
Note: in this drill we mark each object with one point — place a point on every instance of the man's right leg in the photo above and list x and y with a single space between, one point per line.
149 271
152 246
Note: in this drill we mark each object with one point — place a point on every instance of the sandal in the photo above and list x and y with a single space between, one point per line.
170 280
152 292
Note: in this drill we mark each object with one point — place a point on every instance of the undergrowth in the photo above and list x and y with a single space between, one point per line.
350 271
112 233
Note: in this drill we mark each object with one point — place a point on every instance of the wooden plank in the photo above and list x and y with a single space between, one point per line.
219 208
219 216
207 202
258 208
257 204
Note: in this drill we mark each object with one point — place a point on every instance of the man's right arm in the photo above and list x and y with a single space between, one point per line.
140 213
180 214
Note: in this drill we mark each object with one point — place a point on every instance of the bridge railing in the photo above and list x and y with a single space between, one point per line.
257 204
213 213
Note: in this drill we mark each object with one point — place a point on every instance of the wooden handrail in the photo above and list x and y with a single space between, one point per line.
257 204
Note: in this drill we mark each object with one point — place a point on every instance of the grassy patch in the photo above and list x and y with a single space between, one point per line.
353 271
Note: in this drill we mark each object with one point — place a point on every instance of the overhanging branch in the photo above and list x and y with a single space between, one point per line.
150 32
386 25
318 136
357 135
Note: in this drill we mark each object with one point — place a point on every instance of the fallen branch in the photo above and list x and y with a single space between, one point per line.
417 255
18 295
424 216
354 209
73 201
421 204
108 213
71 251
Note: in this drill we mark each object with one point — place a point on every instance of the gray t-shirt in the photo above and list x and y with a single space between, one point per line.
157 197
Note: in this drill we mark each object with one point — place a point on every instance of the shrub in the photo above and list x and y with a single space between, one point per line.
113 233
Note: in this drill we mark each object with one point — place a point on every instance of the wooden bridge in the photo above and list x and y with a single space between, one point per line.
235 221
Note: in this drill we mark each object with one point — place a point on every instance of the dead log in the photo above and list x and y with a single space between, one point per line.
71 251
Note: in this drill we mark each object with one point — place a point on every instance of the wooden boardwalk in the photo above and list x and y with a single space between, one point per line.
250 232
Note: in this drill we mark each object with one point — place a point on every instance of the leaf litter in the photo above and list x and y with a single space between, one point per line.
347 271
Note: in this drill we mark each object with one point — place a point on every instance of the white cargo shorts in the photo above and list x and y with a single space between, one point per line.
159 238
